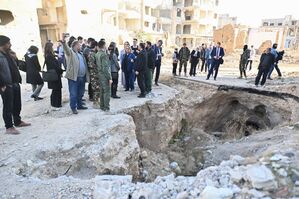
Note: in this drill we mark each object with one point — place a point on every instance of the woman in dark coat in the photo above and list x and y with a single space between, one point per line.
33 69
52 63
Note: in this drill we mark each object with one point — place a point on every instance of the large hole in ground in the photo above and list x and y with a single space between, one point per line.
223 117
192 128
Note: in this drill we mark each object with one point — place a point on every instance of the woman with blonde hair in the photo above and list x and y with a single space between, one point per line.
127 66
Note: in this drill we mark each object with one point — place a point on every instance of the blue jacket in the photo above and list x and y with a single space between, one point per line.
213 54
208 53
158 57
274 52
129 66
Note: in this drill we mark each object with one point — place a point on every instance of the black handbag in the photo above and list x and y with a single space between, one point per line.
221 61
50 75
22 65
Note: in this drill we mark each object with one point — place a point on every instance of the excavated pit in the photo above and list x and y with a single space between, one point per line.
234 115
183 130
219 116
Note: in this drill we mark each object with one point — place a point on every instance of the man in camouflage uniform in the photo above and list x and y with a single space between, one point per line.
184 55
103 67
243 61
94 74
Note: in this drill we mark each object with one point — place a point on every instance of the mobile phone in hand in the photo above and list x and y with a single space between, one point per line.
66 35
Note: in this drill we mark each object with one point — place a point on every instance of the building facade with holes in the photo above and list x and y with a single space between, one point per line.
287 29
34 22
19 21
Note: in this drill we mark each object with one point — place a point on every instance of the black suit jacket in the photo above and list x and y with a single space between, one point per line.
141 61
214 51
193 58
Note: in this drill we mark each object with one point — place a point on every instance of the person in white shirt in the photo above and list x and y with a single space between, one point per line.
251 58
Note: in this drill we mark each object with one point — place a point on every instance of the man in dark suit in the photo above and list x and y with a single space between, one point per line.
10 89
141 64
194 59
158 51
266 61
217 59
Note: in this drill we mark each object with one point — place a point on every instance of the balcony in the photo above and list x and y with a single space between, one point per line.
165 20
177 3
188 3
129 11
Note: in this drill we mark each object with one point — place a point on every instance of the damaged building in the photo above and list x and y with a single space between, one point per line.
284 32
173 21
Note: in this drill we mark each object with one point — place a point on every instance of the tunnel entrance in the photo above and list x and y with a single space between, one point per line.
224 117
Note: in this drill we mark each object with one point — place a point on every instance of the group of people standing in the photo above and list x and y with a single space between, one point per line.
82 61
268 61
91 61
140 61
211 57
100 65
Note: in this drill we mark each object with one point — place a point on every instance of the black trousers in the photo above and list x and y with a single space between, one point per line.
277 70
12 105
183 62
158 68
90 91
203 64
214 67
56 98
141 82
174 67
263 72
114 83
193 68
250 64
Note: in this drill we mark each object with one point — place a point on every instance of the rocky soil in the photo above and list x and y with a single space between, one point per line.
192 139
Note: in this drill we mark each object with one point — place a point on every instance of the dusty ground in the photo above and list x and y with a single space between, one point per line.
171 127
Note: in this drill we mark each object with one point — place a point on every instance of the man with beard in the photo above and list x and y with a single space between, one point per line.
150 67
141 64
10 90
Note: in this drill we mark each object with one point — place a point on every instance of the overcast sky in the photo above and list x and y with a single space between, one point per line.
250 12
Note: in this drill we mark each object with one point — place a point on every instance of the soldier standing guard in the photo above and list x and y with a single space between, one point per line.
103 67
94 74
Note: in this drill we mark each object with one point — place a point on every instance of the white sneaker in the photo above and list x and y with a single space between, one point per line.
55 109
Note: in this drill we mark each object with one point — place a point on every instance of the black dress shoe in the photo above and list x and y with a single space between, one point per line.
38 98
75 111
82 108
156 84
116 97
127 90
141 96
